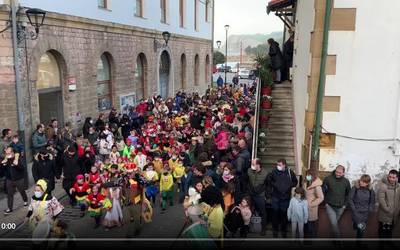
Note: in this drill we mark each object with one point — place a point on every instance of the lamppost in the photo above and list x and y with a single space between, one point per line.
218 44
226 50
166 36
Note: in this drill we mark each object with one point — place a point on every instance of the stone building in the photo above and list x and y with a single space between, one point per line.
361 93
92 54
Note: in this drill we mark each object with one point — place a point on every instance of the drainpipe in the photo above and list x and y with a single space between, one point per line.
18 85
321 88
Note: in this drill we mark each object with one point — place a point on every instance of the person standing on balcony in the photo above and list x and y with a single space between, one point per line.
277 62
336 190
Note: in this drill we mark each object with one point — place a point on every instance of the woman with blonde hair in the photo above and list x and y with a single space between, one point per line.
314 195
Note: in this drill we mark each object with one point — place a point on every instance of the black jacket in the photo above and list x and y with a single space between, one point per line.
12 172
282 183
71 168
242 162
44 169
85 163
276 56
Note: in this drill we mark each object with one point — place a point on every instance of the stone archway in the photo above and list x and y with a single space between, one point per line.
164 70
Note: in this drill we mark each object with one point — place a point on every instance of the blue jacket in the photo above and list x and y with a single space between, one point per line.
220 81
298 210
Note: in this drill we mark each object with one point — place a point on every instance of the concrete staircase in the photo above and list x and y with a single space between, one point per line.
280 129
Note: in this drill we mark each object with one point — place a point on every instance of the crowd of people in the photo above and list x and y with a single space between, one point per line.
191 149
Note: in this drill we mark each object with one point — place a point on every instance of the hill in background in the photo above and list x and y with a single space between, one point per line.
252 40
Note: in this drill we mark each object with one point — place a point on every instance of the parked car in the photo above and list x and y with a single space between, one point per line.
244 73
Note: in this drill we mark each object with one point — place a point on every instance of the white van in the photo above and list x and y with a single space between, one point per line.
244 73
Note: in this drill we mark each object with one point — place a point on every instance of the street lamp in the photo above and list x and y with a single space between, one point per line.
36 18
166 35
226 49
218 44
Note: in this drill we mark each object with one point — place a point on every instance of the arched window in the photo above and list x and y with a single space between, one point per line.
196 70
141 76
49 72
207 70
104 91
183 71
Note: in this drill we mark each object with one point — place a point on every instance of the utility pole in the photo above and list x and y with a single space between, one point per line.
241 55
226 50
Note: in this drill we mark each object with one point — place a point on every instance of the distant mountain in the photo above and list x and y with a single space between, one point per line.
249 40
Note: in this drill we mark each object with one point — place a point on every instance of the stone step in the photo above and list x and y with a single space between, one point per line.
279 153
283 100
272 147
272 137
274 120
284 114
278 133
271 162
282 86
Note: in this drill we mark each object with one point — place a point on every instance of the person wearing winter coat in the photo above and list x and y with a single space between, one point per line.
256 180
297 212
282 179
70 169
315 196
336 190
13 169
39 140
44 167
276 56
389 204
362 204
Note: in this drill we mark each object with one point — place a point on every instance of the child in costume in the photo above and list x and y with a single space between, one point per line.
193 209
126 153
178 172
43 206
158 164
114 211
80 189
166 188
114 155
151 177
93 178
95 200
140 159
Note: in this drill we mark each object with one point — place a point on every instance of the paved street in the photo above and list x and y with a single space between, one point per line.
229 77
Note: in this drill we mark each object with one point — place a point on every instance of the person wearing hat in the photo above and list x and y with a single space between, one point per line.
194 150
80 190
70 169
43 206
44 167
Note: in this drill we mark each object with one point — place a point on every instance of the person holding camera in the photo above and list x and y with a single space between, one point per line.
389 204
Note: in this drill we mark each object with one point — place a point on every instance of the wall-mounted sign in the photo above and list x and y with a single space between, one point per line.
71 83
127 102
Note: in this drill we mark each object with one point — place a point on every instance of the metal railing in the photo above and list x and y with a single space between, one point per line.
256 118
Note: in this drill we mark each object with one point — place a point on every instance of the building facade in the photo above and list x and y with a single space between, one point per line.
360 111
93 55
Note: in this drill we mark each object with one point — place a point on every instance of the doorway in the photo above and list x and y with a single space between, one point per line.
50 106
164 74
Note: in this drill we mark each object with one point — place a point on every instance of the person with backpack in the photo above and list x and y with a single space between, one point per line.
282 179
362 204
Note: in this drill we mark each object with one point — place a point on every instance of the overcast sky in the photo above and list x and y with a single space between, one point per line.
244 17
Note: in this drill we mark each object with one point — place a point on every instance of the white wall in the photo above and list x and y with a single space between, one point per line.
123 12
301 69
367 79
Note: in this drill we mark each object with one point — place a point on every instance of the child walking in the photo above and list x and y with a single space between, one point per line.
95 201
113 206
297 212
166 188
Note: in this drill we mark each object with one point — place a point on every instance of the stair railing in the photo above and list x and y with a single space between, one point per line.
256 118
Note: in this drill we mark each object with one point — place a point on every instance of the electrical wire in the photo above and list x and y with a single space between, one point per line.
360 139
